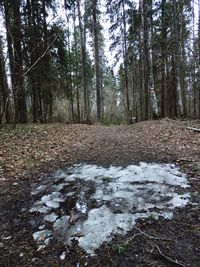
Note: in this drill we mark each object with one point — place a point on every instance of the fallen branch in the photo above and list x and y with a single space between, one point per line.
44 53
149 236
193 129
168 258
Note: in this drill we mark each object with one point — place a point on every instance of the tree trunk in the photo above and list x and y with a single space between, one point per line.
5 112
125 52
83 65
76 69
141 65
96 59
153 96
163 56
176 58
199 48
19 90
71 98
144 23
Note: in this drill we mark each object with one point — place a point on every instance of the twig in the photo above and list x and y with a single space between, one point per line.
150 236
168 258
132 237
193 129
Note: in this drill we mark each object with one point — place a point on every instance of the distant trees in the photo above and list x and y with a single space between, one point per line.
52 71
159 58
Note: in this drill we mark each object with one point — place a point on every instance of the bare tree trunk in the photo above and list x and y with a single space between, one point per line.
83 64
32 52
199 47
175 59
153 96
193 76
4 89
18 86
141 66
163 52
76 69
45 82
125 52
71 98
144 22
96 59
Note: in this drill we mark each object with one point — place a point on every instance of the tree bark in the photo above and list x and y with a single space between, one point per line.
125 52
83 65
14 38
163 56
5 112
96 59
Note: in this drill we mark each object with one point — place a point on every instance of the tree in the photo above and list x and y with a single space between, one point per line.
118 17
96 30
83 62
14 40
4 91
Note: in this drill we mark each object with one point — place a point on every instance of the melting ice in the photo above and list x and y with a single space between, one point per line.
91 203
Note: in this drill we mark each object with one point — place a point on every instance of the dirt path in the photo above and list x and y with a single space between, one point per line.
33 152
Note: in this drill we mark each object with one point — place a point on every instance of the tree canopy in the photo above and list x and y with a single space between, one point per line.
54 67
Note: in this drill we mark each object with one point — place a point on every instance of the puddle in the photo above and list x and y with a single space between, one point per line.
91 204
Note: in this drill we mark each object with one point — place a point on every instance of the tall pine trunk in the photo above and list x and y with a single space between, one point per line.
5 113
14 39
125 56
163 57
96 59
83 65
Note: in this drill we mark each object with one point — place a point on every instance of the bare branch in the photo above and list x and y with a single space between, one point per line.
149 236
44 53
168 258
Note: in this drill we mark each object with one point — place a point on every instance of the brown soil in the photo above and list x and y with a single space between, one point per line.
29 153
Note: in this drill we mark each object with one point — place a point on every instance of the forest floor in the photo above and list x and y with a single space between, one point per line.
29 154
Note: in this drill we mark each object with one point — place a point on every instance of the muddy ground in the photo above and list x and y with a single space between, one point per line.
33 152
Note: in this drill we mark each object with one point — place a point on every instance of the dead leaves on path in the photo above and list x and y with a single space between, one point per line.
30 146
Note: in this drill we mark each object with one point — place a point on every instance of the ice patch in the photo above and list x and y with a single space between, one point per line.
52 204
81 206
63 255
94 203
38 190
50 217
39 207
41 236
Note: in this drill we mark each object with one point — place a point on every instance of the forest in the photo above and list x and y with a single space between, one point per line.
99 133
55 65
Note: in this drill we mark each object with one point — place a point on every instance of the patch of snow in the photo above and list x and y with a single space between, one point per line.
15 184
63 255
41 227
179 201
58 187
120 196
81 206
50 217
39 189
40 236
46 198
39 207
52 204
59 174
47 241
